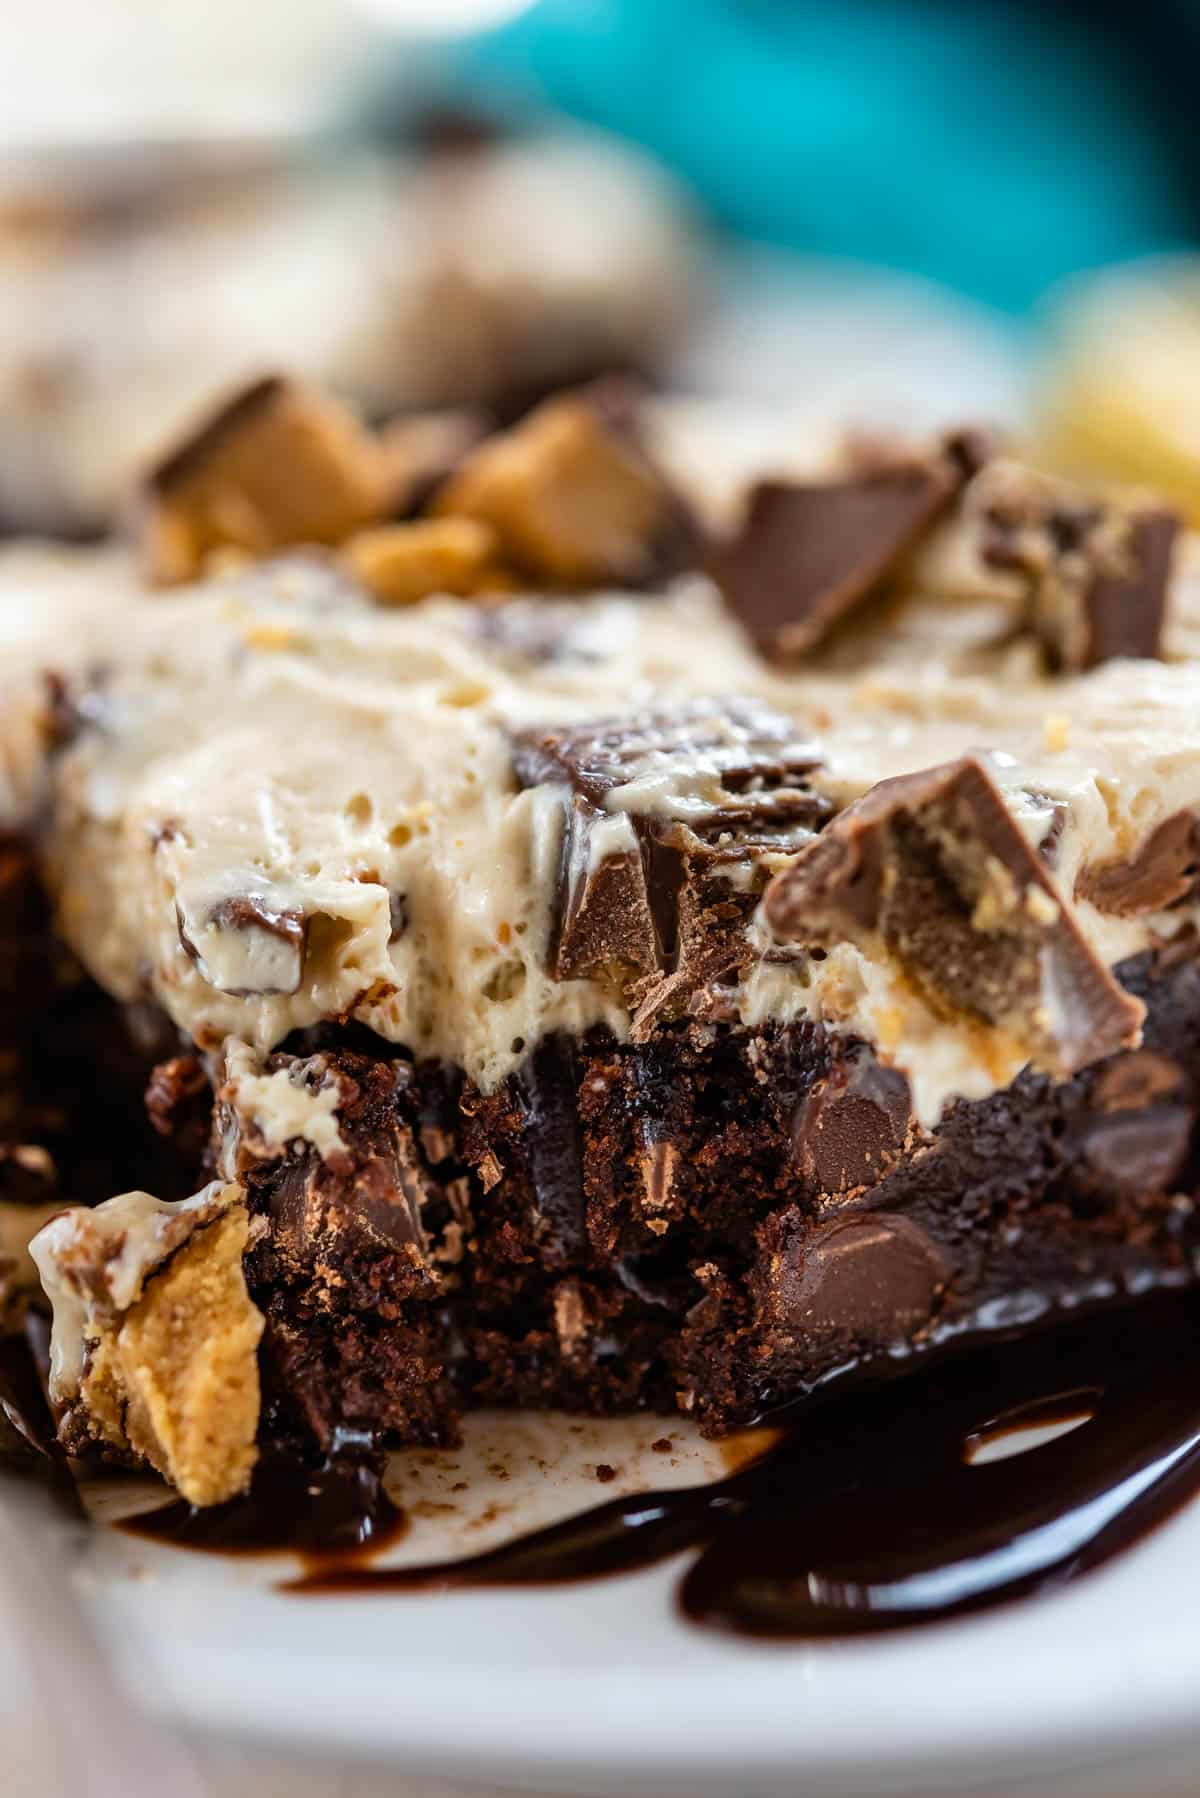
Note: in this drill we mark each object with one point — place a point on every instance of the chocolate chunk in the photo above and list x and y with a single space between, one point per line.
279 464
1134 1139
546 1086
851 1126
1097 569
865 1280
932 870
1164 870
365 1194
808 551
178 1103
671 823
574 498
245 945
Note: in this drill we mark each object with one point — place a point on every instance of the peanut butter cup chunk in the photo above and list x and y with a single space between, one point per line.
280 464
1098 567
932 871
403 563
572 496
154 1353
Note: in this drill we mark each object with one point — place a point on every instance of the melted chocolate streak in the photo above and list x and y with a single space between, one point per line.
867 1515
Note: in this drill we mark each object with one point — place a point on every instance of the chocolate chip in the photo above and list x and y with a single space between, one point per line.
809 551
852 1125
670 822
1164 870
932 870
1050 841
867 1280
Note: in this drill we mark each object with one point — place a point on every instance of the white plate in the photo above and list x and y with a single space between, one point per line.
598 1687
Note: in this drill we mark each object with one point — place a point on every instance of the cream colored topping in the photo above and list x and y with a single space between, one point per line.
94 1264
264 738
271 738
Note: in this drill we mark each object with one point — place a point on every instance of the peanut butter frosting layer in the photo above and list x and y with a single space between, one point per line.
282 803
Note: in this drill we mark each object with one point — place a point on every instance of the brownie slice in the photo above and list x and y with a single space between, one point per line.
718 1220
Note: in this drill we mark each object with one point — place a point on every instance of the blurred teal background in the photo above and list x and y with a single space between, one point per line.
993 147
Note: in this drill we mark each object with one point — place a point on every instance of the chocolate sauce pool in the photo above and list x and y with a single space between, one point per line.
330 1512
869 1514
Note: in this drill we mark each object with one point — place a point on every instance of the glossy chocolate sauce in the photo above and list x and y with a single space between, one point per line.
328 1513
869 1512
869 1515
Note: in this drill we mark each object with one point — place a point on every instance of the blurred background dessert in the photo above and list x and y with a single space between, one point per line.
887 213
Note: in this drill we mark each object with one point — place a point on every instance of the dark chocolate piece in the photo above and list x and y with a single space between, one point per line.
852 1124
859 1282
1097 571
547 1085
933 868
1164 870
808 551
671 820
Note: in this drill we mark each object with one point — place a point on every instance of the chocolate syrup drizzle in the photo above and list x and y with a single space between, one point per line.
328 1514
866 1515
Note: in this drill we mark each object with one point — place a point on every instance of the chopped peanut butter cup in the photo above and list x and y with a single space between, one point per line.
280 464
932 871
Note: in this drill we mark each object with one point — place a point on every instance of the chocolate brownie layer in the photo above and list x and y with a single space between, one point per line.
718 1220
